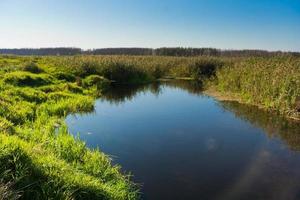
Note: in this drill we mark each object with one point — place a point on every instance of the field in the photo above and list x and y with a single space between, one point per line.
38 156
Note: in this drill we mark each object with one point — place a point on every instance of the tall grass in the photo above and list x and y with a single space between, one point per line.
135 69
271 83
44 161
38 155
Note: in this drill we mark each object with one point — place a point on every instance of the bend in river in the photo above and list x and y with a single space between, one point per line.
181 144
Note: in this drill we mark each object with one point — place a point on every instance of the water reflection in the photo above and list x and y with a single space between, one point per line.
180 144
119 93
272 124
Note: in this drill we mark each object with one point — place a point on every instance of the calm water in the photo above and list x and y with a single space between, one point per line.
180 144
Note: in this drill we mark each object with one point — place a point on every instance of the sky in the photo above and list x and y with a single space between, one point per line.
225 24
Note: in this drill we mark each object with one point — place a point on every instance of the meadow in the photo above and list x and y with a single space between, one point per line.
39 159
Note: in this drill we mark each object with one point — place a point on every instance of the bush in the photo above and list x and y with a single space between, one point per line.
27 79
32 67
124 73
65 76
205 68
69 87
95 80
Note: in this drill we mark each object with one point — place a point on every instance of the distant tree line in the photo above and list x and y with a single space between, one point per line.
165 51
120 51
42 51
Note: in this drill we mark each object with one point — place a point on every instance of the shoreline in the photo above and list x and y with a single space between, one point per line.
231 97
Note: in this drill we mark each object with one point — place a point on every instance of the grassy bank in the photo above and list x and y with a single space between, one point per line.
40 159
270 83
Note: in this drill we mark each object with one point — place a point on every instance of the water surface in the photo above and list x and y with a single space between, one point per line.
181 144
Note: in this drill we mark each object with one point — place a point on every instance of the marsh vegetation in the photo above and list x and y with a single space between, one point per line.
38 156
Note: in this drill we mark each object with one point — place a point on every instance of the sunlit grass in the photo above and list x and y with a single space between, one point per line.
272 83
43 161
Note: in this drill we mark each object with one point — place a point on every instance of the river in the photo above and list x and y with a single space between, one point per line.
181 144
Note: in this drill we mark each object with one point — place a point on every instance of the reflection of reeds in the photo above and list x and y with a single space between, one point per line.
273 125
192 86
119 93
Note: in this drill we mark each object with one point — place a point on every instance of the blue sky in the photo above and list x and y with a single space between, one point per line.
226 24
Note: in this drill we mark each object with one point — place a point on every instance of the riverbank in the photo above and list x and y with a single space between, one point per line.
38 154
221 96
270 83
39 158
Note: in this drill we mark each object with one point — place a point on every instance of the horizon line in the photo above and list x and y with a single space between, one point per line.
170 47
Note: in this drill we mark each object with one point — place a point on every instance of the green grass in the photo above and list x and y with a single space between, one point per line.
20 78
271 83
39 159
134 69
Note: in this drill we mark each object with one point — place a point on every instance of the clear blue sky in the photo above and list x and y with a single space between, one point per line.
227 24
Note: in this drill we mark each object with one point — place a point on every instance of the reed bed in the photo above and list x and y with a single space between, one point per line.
41 160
